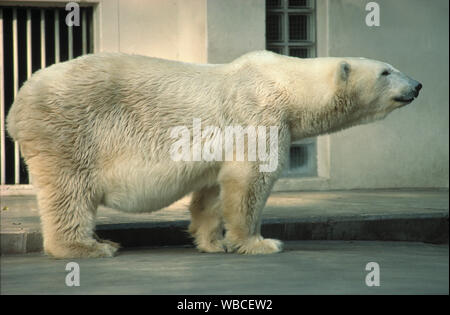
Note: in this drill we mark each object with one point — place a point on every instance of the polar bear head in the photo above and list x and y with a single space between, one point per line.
325 95
375 88
344 92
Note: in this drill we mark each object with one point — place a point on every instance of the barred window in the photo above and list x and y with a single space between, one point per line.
33 38
290 30
290 27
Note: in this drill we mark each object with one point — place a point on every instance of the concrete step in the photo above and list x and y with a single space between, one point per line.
387 215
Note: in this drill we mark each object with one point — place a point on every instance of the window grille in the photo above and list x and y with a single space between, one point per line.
290 30
33 38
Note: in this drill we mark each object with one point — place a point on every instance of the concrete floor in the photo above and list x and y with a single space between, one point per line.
305 267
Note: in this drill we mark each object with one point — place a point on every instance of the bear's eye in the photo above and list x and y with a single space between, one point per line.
385 72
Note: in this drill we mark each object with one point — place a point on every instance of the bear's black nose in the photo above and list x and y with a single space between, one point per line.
418 88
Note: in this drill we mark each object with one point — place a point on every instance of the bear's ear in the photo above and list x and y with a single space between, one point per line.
343 71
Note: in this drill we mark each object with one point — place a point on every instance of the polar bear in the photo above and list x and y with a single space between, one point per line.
96 130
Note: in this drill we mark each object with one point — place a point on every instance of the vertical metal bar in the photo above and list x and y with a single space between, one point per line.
92 26
43 57
43 51
2 106
70 41
29 68
29 50
43 62
16 88
57 57
84 31
285 27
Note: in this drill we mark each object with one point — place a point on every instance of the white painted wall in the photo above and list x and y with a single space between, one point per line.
174 29
235 27
411 147
408 149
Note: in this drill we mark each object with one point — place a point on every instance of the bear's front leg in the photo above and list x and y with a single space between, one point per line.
244 192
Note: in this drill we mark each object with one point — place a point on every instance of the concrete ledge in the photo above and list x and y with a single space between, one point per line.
430 230
419 216
20 242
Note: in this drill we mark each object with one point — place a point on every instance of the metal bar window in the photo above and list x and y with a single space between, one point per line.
32 38
290 27
290 30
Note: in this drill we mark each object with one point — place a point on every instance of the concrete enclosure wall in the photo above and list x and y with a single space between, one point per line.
235 27
213 31
173 29
410 148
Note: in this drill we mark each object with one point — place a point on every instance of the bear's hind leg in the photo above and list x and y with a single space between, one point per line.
68 223
206 220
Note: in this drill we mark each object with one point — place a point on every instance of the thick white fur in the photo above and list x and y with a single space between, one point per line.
96 130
